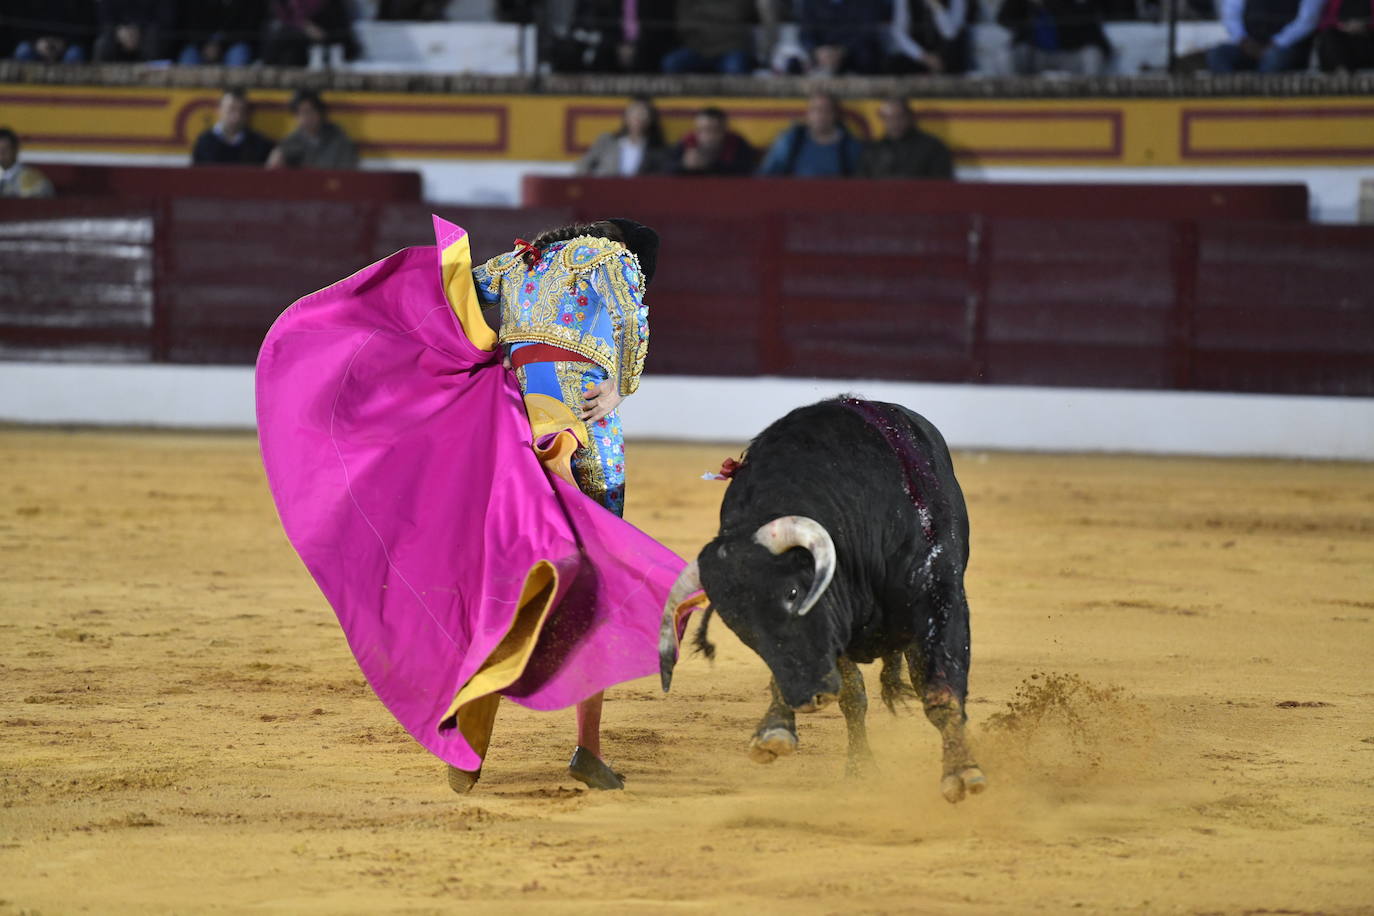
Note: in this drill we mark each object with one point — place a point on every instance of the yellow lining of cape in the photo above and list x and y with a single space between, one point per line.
507 661
455 264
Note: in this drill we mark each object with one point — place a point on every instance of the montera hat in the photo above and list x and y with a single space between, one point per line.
641 240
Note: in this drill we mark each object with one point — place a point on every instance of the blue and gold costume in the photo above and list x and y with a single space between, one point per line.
586 296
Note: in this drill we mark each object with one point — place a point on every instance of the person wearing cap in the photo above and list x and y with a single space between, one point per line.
575 331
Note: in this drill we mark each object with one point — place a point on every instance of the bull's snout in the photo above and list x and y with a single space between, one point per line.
818 702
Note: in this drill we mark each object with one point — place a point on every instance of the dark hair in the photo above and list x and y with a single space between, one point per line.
655 131
236 92
7 134
301 96
712 112
602 229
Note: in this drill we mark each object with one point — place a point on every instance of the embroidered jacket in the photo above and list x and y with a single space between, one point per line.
585 295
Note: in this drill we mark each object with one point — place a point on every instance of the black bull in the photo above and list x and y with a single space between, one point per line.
867 491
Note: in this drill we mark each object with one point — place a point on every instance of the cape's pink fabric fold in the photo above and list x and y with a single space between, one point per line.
399 457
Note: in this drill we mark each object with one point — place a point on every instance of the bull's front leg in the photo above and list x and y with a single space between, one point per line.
854 705
776 735
938 662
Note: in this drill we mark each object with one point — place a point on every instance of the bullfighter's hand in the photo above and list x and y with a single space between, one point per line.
601 400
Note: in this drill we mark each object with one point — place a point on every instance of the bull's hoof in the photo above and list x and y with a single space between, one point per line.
861 766
462 781
769 744
969 780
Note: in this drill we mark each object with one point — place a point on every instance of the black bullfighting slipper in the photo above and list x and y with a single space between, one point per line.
590 770
462 781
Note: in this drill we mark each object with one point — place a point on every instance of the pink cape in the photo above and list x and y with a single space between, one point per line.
398 452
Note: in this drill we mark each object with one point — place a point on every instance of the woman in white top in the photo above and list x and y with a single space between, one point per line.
637 148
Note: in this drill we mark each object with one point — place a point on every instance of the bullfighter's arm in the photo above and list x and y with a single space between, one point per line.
621 285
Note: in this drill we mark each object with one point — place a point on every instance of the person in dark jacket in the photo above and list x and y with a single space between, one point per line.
231 141
905 151
716 37
294 26
843 36
221 31
1270 36
48 31
1345 40
1060 35
134 30
712 148
929 36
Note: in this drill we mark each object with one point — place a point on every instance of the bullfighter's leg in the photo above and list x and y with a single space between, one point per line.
939 661
854 705
776 735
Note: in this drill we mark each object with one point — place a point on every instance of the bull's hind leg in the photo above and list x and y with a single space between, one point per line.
776 735
854 705
944 706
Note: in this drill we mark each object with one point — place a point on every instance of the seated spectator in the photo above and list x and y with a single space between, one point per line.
609 36
1346 38
716 37
637 148
134 30
17 179
1056 35
51 31
231 141
711 148
905 151
1270 36
929 36
317 142
221 31
819 147
843 36
294 26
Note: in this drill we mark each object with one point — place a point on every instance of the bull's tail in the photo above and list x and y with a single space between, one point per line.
701 642
896 689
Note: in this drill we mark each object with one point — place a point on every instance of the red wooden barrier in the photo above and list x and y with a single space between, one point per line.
238 182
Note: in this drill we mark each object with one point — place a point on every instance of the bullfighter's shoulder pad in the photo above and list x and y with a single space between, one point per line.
503 264
586 253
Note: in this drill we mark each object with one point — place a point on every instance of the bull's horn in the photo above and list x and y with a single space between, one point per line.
688 581
782 534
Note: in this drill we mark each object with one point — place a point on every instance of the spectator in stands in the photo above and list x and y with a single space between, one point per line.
929 36
294 26
134 30
221 31
843 36
1346 38
1056 35
637 148
317 142
50 31
1270 36
711 148
818 147
231 141
716 37
905 151
609 36
17 179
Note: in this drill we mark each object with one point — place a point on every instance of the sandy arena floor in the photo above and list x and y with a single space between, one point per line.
1171 696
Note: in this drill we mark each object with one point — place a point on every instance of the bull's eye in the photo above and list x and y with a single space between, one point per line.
792 594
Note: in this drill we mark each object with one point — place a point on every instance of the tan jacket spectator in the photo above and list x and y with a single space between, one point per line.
17 179
637 148
317 142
